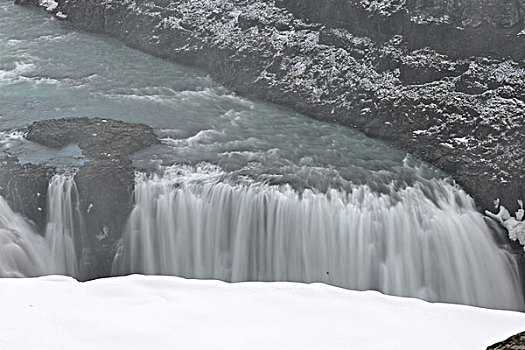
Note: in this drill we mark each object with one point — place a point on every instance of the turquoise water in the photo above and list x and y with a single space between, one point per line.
48 70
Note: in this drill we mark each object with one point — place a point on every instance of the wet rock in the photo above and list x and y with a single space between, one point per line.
105 189
105 181
25 187
97 137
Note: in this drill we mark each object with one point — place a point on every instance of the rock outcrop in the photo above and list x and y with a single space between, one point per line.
97 138
105 181
446 80
516 342
25 189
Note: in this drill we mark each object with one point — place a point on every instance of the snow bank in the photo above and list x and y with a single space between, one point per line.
138 312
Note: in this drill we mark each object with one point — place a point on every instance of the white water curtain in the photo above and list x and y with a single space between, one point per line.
401 244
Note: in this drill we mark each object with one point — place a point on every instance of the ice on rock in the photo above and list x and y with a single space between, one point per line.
50 5
514 225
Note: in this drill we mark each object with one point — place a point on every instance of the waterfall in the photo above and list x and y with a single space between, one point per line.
65 227
23 253
425 241
26 253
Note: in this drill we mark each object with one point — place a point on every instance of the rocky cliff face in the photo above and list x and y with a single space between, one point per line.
460 14
454 27
446 80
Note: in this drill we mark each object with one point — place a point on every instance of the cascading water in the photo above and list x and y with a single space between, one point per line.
344 222
25 253
425 240
65 227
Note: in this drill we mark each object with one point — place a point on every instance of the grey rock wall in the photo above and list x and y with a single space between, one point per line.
457 28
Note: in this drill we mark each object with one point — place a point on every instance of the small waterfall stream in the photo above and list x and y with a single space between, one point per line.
65 228
25 253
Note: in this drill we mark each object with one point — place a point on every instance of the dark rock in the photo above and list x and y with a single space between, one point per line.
104 182
453 27
425 66
105 189
246 22
97 137
516 342
25 188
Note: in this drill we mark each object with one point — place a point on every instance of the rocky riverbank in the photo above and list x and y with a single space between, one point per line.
105 181
447 83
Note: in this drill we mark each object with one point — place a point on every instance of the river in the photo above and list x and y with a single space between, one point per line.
240 189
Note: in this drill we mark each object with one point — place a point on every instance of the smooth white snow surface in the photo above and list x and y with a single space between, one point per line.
152 312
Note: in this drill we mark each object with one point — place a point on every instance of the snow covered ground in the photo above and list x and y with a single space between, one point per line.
139 312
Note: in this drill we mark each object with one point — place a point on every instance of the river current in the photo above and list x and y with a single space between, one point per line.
239 189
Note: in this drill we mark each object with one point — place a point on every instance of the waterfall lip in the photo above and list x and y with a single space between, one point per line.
202 173
442 192
191 222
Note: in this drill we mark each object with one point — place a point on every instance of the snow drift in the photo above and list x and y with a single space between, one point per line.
138 312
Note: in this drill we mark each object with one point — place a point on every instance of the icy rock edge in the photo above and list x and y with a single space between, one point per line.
514 225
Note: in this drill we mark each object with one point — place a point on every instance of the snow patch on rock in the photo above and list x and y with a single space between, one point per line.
49 5
514 225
